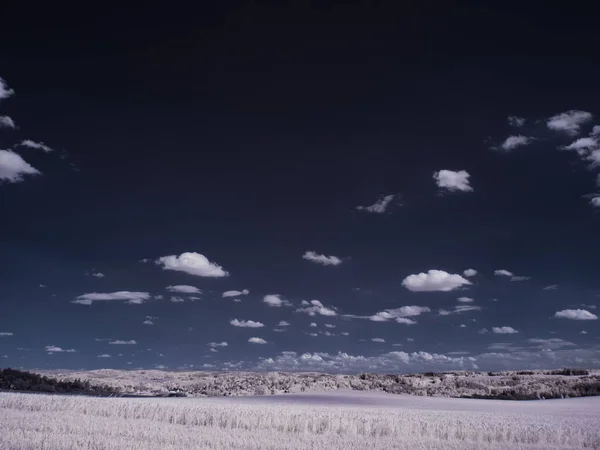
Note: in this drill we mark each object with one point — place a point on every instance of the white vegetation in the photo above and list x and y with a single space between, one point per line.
56 422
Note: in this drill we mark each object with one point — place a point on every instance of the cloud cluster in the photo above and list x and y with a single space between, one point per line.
453 181
246 323
315 307
135 298
434 280
569 122
54 349
192 263
321 259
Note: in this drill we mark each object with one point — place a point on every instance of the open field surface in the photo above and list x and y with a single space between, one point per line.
333 420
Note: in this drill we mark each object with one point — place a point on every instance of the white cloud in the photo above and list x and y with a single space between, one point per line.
103 355
275 300
119 342
184 289
257 340
322 259
329 325
377 340
512 142
569 122
465 308
98 274
465 299
5 91
13 167
582 145
516 121
148 322
37 145
453 181
503 273
7 122
235 293
470 273
283 323
246 323
6 333
594 158
380 206
217 344
315 307
504 330
434 280
575 314
595 202
176 299
551 287
405 321
55 349
312 324
131 297
192 263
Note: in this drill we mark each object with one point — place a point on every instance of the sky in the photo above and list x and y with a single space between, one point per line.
300 186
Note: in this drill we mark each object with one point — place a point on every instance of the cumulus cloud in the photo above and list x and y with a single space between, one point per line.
575 314
470 273
512 142
119 342
516 121
257 340
192 263
13 168
434 280
184 289
37 145
7 122
54 349
379 207
465 299
135 298
504 330
236 293
217 344
275 300
246 323
322 259
453 181
569 122
312 324
5 91
315 307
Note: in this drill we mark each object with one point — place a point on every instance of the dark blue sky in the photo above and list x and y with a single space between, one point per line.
251 133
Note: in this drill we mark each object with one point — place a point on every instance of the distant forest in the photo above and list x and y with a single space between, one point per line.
19 380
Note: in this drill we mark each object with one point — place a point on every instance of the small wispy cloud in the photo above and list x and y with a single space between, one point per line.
246 323
135 298
217 344
37 145
275 300
6 333
470 273
504 330
516 121
54 349
119 342
434 280
283 323
184 289
257 340
13 168
551 287
5 91
512 142
192 263
453 181
569 122
465 299
575 314
7 122
177 299
236 293
104 355
380 340
321 259
380 206
98 274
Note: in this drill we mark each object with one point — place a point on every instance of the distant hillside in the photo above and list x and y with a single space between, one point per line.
19 380
505 385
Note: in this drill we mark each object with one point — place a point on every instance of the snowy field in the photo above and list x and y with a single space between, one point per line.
331 420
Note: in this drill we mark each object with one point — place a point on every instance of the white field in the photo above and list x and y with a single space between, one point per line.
333 420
